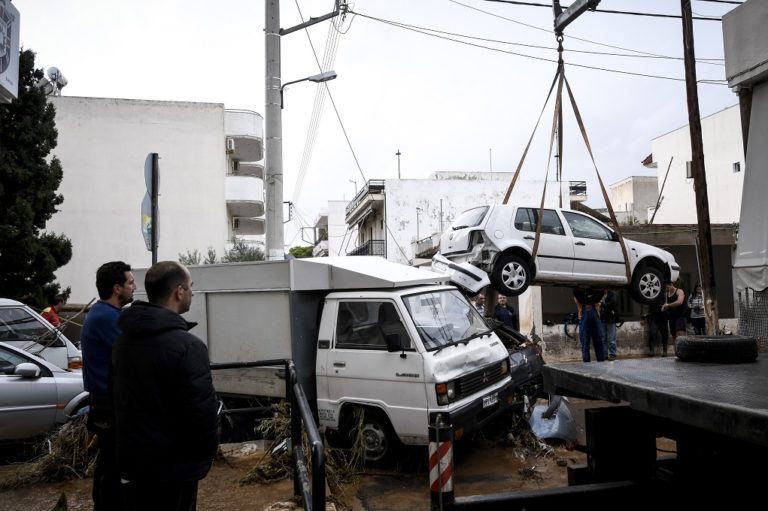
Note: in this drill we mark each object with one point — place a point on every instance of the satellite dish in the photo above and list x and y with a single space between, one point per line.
53 73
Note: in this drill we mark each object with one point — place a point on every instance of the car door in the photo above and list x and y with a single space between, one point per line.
554 258
27 405
598 257
361 370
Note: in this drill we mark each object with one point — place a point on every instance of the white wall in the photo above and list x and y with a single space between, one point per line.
632 196
102 147
457 192
340 241
721 133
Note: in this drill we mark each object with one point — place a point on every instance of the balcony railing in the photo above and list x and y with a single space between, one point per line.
370 248
372 186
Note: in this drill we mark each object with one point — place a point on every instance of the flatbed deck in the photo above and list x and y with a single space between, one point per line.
726 399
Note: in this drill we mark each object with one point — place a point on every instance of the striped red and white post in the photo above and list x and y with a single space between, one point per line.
441 464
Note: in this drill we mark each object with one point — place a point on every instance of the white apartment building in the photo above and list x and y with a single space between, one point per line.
211 184
724 165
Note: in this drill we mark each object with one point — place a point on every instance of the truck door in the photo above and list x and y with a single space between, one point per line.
361 370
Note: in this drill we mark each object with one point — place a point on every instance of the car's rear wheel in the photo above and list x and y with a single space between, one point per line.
511 275
648 285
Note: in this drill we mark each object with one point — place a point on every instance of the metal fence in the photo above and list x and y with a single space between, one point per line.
753 316
309 483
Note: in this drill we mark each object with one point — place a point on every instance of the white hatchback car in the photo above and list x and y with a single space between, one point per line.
574 249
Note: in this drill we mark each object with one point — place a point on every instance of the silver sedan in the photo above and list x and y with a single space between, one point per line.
35 396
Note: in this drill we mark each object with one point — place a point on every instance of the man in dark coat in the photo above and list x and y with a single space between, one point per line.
165 403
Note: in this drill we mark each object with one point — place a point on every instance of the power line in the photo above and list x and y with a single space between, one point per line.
549 30
608 11
542 47
533 57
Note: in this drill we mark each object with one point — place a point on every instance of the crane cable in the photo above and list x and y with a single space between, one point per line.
560 79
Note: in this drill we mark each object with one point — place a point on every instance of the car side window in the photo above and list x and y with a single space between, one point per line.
584 227
365 325
525 220
9 361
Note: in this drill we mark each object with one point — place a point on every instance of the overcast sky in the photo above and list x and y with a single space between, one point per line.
445 105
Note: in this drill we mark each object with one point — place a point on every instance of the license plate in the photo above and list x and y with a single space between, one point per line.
490 400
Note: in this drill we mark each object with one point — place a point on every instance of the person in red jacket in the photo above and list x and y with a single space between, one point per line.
51 313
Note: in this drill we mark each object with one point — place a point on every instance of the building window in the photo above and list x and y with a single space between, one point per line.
689 169
737 167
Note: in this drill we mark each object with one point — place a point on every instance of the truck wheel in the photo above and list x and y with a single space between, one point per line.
716 348
647 285
379 439
511 275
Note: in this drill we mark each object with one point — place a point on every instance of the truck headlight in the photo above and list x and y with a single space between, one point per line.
504 367
446 392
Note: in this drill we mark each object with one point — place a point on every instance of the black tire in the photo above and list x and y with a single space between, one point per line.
648 285
511 276
380 443
727 349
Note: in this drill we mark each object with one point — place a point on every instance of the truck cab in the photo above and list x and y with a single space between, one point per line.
404 356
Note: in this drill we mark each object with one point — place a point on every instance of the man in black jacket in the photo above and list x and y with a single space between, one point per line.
165 403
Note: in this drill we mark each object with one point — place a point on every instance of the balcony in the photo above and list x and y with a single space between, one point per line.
244 130
244 196
370 248
578 191
363 203
245 226
243 168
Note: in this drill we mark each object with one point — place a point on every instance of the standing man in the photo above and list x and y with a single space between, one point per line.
590 328
479 303
674 307
507 314
165 403
115 285
51 313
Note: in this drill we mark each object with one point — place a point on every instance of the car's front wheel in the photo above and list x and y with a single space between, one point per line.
648 285
511 275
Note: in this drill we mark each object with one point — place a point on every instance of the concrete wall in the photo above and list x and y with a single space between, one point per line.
723 147
102 147
454 192
631 197
339 239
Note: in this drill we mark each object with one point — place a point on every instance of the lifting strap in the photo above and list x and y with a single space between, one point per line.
557 125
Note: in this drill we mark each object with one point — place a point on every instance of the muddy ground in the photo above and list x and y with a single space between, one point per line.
482 465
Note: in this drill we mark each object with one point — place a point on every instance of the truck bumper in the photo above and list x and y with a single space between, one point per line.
475 415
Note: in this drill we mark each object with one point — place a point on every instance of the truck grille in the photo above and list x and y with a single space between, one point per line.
478 380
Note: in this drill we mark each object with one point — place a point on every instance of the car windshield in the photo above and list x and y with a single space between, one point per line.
444 317
17 325
469 218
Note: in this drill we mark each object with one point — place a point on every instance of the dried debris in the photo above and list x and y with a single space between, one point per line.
66 456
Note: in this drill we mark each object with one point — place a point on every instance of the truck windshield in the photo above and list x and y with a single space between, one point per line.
444 317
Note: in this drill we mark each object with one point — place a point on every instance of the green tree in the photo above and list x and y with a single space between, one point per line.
28 193
191 258
299 252
242 251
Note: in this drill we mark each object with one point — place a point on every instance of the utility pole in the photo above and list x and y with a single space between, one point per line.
704 234
273 168
273 121
398 153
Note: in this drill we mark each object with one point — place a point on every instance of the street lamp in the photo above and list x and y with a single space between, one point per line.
322 77
354 183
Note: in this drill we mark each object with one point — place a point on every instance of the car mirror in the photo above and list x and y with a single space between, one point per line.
27 370
394 343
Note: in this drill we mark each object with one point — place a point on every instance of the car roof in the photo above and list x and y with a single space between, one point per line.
8 301
49 365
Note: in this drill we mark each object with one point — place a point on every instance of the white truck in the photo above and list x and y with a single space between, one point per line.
393 341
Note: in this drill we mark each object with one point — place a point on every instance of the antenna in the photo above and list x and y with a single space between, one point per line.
57 82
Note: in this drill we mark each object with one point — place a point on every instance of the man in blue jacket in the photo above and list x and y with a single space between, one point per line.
165 403
115 285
